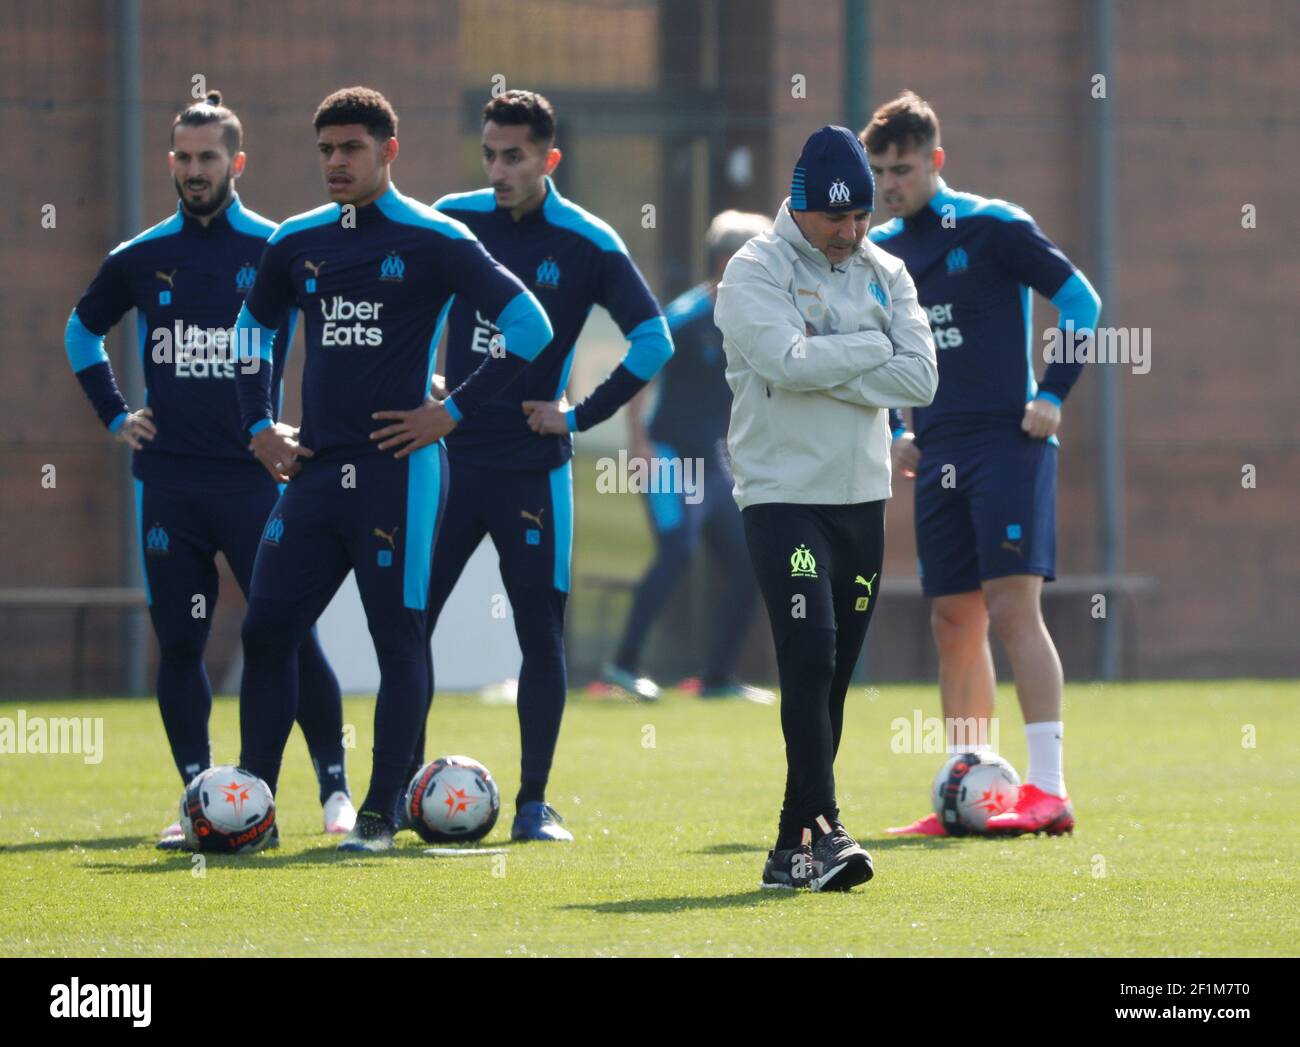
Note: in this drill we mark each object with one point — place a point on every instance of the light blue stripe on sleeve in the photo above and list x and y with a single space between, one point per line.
258 334
424 479
525 325
562 513
83 346
1078 303
651 347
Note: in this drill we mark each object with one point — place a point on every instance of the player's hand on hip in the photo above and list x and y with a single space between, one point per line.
411 430
277 448
1042 419
547 416
905 455
137 428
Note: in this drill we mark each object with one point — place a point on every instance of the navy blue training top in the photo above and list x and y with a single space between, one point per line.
974 261
188 282
374 284
572 261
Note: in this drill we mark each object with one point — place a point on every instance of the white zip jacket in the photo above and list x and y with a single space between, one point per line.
809 417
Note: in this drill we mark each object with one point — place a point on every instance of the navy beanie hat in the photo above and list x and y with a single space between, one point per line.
832 173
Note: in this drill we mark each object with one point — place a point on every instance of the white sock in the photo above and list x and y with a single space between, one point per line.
1044 741
954 728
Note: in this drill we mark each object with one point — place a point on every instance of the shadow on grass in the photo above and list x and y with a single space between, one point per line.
888 843
732 848
107 843
875 843
740 900
326 854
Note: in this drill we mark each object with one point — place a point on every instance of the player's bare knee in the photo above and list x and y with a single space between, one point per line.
958 620
1014 617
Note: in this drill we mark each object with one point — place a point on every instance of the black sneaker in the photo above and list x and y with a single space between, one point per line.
792 867
372 833
841 862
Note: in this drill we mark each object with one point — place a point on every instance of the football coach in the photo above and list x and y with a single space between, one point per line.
822 333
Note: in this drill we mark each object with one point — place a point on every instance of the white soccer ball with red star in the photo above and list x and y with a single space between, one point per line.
227 810
453 799
972 787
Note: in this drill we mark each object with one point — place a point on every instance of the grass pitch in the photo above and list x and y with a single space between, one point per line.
1184 845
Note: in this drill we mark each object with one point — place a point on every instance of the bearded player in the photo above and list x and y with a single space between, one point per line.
198 490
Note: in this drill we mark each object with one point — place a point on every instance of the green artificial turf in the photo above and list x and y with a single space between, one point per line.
1185 842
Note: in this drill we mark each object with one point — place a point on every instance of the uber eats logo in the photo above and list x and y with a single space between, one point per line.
345 324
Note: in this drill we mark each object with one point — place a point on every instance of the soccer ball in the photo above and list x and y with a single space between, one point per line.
970 788
227 810
453 799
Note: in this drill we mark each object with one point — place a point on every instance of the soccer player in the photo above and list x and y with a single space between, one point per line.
986 538
822 333
197 488
689 421
374 273
511 469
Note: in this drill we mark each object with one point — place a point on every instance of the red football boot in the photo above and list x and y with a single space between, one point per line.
1034 812
927 826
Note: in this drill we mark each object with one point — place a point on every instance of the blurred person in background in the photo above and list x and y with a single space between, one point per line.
689 421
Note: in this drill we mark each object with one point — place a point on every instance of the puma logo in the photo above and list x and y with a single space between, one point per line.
862 581
1013 547
315 268
389 538
529 516
166 276
811 294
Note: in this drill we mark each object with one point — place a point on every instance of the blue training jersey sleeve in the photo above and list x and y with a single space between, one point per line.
494 291
624 293
270 299
1028 255
103 304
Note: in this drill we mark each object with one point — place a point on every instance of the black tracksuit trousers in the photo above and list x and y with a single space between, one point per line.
818 567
